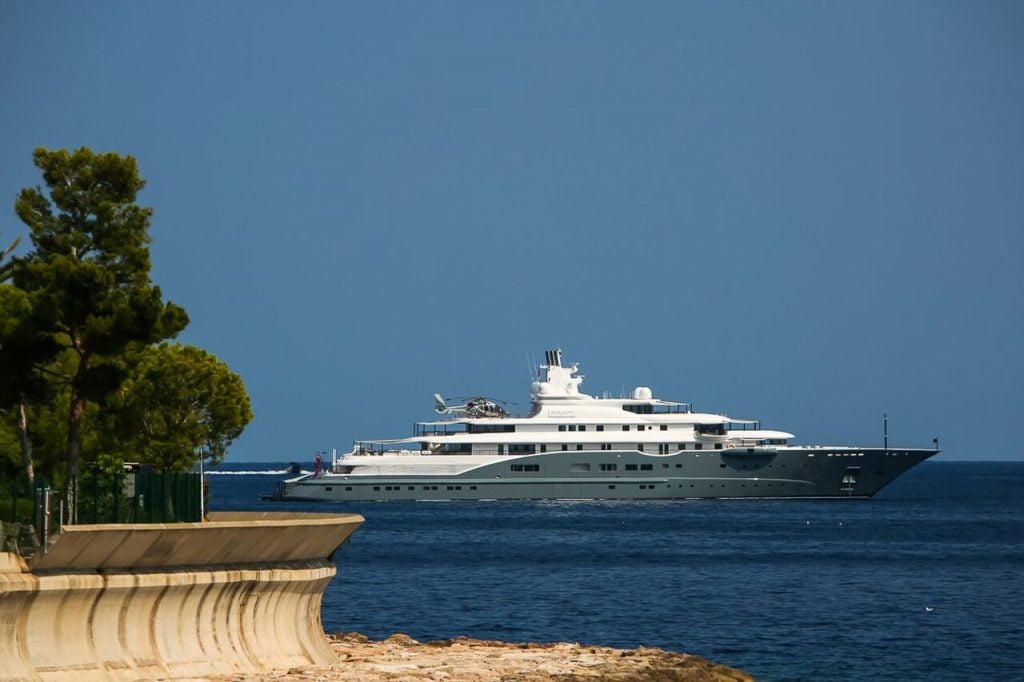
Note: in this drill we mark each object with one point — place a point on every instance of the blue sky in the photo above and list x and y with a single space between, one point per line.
805 212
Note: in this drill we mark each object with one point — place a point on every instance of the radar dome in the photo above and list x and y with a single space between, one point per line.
642 393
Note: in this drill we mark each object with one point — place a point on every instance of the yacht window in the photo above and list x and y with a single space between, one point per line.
630 467
606 446
561 427
600 427
609 467
348 488
625 427
490 428
328 489
718 446
640 447
664 427
572 427
521 449
682 446
543 448
698 446
583 427
525 467
579 446
646 467
564 446
376 487
611 487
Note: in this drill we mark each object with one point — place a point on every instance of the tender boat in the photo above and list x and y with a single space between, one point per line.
576 446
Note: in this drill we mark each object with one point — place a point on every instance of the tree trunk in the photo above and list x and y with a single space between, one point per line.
26 444
74 447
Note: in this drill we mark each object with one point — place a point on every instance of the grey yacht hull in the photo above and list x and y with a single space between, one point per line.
782 472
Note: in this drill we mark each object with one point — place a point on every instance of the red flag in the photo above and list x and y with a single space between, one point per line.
317 464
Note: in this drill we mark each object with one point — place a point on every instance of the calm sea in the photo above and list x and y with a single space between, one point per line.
924 582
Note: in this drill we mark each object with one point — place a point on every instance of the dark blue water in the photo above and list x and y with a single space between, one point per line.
786 590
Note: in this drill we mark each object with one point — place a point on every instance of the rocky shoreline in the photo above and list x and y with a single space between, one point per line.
400 657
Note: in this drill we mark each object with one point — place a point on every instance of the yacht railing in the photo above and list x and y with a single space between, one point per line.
421 430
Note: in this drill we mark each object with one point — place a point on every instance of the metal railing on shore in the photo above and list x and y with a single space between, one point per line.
138 495
32 511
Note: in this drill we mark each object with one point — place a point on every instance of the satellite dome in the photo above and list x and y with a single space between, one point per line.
642 393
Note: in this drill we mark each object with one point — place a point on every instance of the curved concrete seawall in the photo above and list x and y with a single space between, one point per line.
239 593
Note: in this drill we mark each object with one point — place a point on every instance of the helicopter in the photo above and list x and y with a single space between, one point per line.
477 406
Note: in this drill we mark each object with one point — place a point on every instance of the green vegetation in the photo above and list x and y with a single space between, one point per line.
5 268
86 373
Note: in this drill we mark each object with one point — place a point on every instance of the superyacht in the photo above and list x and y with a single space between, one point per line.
576 446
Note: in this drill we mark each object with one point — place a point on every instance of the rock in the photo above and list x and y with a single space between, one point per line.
27 538
462 659
401 640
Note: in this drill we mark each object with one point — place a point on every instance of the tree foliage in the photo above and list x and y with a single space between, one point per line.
6 265
179 401
85 291
25 346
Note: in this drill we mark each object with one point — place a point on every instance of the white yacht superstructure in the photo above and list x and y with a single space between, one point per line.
576 446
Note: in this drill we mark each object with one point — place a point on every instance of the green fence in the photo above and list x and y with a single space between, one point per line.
23 513
135 495
17 498
138 495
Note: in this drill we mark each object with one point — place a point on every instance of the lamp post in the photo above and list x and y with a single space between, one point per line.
202 485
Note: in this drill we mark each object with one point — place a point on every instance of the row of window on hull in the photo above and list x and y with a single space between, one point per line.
702 429
532 449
